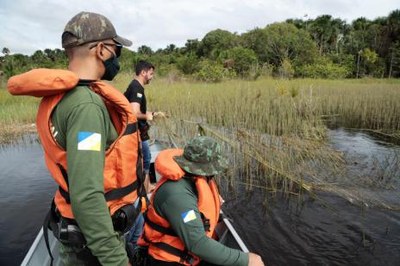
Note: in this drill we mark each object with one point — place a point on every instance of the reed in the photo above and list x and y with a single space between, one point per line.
278 107
274 131
16 114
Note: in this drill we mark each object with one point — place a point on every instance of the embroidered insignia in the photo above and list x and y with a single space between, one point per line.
188 216
89 141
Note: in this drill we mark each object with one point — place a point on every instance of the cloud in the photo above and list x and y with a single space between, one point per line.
30 25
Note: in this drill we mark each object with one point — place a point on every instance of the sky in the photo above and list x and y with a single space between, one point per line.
30 25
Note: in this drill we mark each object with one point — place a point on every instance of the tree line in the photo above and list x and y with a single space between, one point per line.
324 47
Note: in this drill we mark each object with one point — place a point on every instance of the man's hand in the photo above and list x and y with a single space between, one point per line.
255 260
160 115
149 116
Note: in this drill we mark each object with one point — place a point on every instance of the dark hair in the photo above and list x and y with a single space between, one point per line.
143 65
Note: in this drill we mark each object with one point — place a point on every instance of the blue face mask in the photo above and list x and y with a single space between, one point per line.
112 67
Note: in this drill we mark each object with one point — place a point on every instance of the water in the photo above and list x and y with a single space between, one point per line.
26 190
328 230
309 233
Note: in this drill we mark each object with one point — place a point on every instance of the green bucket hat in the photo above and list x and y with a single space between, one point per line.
87 27
202 156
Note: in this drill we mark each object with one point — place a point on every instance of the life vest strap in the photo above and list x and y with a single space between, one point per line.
206 222
182 254
64 173
47 224
159 228
131 128
121 192
109 196
64 194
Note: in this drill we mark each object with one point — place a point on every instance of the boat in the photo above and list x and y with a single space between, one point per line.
38 255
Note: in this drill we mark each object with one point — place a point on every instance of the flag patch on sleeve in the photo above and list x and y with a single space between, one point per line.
89 141
188 216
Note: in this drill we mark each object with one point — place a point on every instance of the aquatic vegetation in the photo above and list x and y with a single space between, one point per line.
274 131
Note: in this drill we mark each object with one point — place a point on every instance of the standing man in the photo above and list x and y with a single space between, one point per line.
185 207
136 96
90 140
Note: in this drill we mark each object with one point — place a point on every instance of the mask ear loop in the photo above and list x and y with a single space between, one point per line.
95 46
111 51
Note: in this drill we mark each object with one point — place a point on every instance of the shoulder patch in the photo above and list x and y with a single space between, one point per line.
188 216
89 141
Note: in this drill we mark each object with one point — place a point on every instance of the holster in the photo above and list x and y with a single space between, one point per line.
68 232
124 218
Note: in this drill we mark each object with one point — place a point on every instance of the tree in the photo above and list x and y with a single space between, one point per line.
243 60
145 50
256 40
6 51
326 31
128 60
393 53
393 22
192 46
285 42
15 64
215 42
188 64
170 49
210 72
394 65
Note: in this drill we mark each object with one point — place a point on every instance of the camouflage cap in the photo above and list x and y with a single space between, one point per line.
202 156
87 27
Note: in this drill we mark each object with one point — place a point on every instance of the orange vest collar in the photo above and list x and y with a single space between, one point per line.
42 82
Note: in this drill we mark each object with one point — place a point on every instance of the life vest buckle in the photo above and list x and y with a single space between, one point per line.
186 257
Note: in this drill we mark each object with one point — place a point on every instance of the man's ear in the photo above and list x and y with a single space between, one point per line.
99 51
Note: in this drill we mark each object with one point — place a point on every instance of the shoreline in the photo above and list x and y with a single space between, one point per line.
11 133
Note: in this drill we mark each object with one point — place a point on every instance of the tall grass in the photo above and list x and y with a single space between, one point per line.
16 114
277 107
273 130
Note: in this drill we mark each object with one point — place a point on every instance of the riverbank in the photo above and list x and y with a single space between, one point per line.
10 133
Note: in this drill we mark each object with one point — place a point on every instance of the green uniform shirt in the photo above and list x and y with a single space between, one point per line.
172 201
79 116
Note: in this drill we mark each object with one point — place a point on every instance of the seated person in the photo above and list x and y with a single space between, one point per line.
184 209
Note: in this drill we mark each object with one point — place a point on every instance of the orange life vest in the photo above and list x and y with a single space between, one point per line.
159 242
120 178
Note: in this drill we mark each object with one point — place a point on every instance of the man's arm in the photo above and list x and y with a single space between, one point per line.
88 122
179 198
136 110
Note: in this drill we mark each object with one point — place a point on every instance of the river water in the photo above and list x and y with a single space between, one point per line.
327 230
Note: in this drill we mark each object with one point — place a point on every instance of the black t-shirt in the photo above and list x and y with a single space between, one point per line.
135 94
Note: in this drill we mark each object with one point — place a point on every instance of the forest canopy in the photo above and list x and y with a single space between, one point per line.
324 47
